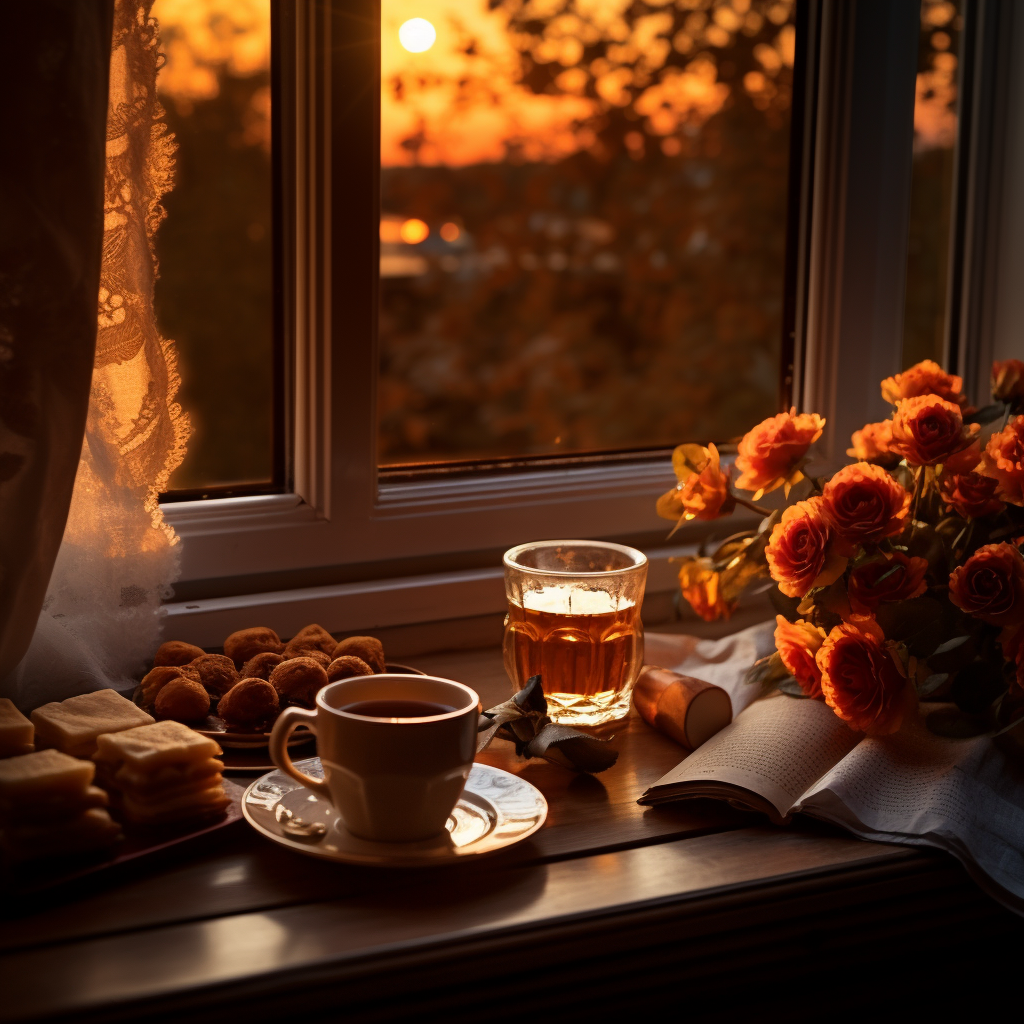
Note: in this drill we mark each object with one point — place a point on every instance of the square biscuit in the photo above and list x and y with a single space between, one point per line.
44 775
72 725
17 733
149 747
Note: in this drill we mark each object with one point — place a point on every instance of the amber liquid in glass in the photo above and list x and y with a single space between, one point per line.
586 649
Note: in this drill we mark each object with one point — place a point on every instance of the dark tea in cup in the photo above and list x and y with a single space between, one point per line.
395 709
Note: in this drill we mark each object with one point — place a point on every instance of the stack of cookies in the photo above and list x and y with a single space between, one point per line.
73 725
159 773
48 806
17 734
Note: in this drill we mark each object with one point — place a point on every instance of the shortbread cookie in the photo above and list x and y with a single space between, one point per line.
73 725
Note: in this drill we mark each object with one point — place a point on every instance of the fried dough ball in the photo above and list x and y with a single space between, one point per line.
246 643
346 666
369 648
308 638
261 665
314 653
216 672
157 678
250 703
182 699
176 652
299 680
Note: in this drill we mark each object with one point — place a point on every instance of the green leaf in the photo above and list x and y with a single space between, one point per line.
767 673
791 688
954 724
933 683
952 655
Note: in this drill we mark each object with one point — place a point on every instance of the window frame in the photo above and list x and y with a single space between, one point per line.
429 544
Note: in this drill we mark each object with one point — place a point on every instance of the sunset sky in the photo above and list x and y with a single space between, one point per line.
201 37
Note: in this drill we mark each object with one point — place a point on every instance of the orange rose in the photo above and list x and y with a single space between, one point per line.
797 643
768 454
700 586
872 444
1008 380
1004 461
799 554
864 504
924 378
970 495
990 585
863 681
894 577
928 429
702 494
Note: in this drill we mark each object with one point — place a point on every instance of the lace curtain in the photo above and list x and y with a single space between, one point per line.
101 615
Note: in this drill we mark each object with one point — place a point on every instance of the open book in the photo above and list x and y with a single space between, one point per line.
783 756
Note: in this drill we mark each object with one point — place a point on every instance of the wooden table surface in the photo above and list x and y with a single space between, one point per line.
610 905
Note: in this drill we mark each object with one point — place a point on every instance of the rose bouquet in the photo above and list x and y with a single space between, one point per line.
900 577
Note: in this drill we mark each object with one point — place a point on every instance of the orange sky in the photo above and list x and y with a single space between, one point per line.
201 37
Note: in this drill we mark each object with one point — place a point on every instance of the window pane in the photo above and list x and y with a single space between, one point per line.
214 293
583 223
931 196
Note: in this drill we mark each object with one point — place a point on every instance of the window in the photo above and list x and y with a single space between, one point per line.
932 183
583 222
215 293
372 528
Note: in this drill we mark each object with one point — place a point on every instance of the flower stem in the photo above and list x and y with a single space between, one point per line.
753 508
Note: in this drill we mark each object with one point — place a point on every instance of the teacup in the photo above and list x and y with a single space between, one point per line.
396 751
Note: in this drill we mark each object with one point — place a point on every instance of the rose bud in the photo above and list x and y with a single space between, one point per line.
928 429
699 584
1008 380
924 378
970 495
873 444
768 454
894 577
799 553
990 585
864 504
863 682
1004 461
704 493
797 644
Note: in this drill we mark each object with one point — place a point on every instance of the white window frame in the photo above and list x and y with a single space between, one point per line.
852 255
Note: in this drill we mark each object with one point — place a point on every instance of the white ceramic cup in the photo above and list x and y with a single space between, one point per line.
390 779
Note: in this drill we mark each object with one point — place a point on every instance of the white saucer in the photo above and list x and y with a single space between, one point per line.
496 809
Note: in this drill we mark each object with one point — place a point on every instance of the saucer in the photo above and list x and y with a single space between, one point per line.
496 809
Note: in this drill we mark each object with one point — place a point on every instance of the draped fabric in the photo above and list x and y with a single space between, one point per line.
101 614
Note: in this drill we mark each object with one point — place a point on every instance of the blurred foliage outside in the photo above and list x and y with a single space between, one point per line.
613 176
214 295
931 195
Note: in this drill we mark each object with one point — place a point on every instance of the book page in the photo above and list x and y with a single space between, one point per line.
777 748
963 796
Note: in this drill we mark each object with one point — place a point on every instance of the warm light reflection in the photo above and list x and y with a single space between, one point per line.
413 231
417 35
450 232
474 72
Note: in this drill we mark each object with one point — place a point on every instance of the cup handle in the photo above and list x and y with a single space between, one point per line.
283 727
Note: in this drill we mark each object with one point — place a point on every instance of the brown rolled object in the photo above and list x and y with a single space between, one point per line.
688 710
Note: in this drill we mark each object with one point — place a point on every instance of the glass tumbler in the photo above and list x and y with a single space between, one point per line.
574 619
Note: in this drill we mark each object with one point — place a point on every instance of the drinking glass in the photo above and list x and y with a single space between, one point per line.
574 619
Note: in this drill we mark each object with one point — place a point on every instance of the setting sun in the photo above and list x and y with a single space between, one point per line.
417 35
414 231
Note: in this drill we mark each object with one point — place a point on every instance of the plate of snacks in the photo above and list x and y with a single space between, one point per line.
93 781
234 697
